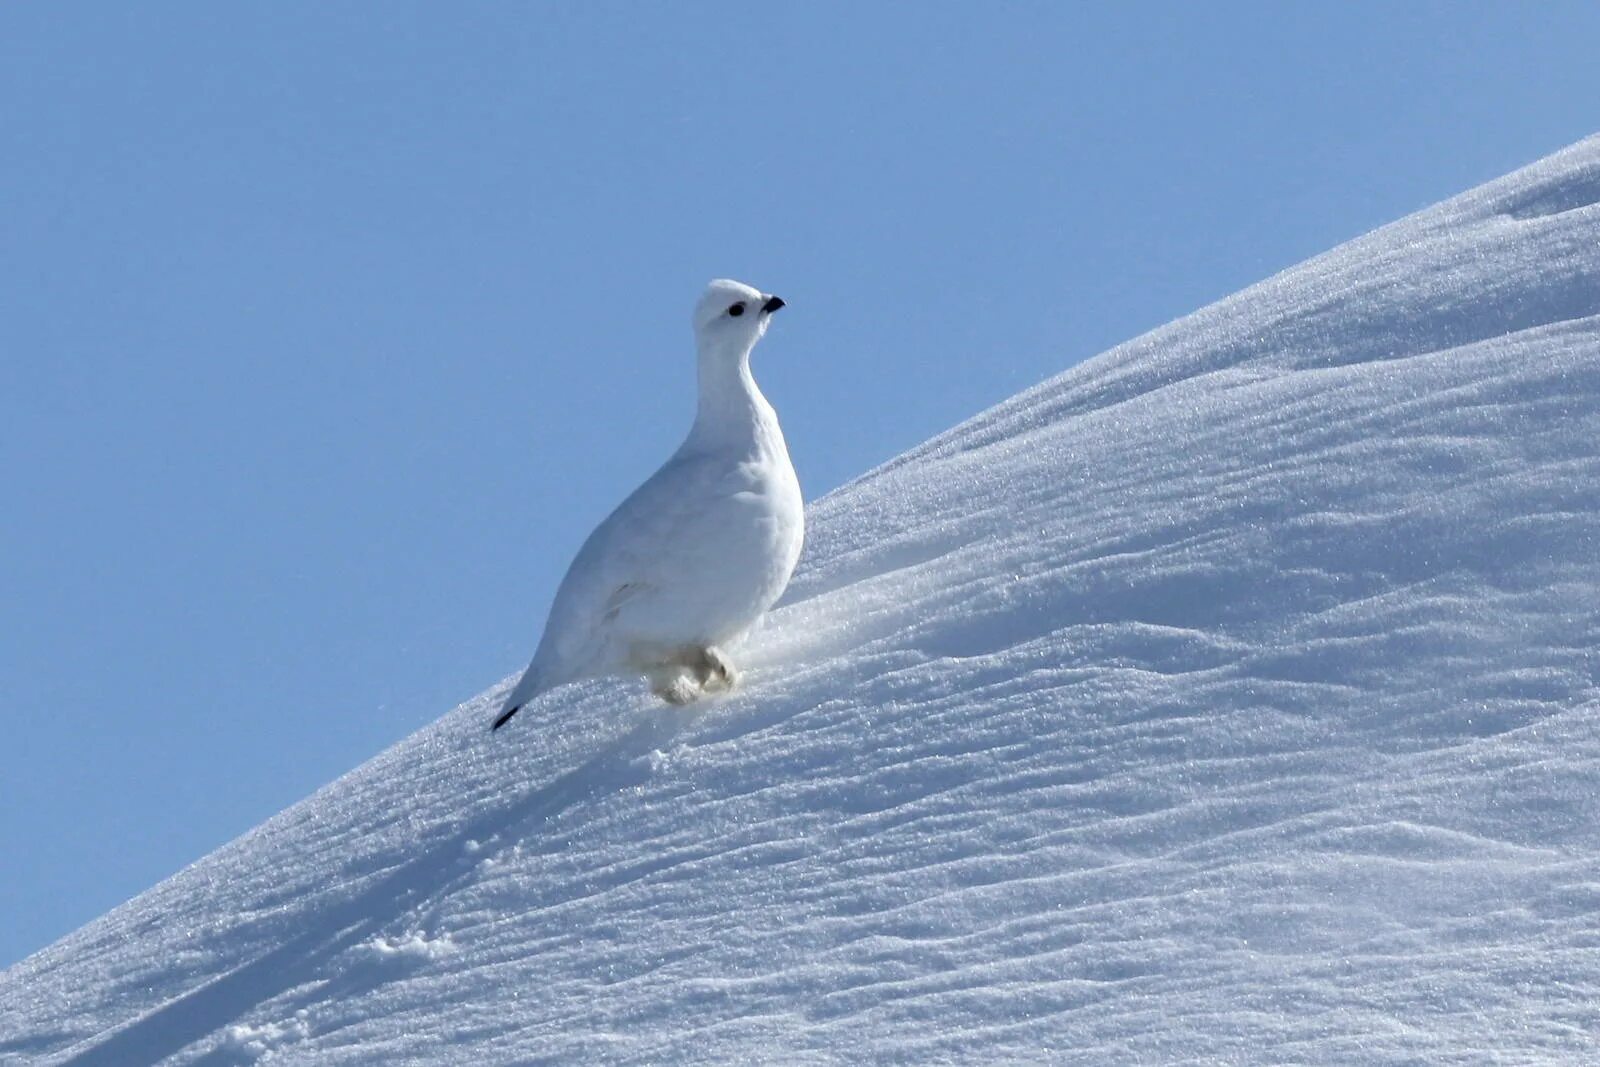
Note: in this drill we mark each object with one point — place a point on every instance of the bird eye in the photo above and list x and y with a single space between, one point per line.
737 309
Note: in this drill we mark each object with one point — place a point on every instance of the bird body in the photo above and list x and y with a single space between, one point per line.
690 561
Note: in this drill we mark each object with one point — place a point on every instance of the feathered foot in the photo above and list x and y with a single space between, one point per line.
695 673
714 672
674 683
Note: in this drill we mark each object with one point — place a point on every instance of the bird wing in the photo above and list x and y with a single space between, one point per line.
620 597
625 563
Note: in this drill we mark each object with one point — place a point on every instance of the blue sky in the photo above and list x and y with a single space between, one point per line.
326 333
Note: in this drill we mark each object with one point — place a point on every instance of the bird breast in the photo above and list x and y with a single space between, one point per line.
750 540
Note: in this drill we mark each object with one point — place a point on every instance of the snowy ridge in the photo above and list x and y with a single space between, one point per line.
1233 697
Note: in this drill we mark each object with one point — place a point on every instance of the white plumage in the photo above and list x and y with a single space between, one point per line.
688 562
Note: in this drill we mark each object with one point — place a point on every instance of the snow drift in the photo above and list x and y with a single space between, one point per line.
1231 697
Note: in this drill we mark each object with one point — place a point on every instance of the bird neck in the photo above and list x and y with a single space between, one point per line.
732 410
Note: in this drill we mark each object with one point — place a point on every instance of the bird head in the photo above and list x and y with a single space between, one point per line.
732 316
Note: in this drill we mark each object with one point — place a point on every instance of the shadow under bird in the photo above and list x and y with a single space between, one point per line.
688 563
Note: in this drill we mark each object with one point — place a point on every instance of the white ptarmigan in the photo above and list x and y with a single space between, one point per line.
693 557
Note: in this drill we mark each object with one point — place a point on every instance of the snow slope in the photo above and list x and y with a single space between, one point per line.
1233 697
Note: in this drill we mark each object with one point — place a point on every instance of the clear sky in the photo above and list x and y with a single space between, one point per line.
328 331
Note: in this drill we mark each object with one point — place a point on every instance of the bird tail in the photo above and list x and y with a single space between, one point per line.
526 689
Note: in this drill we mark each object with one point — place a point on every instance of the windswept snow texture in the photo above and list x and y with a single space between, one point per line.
1230 698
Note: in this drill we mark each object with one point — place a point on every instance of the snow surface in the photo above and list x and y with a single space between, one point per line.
1232 698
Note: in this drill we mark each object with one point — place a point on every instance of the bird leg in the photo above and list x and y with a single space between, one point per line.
674 682
691 673
714 672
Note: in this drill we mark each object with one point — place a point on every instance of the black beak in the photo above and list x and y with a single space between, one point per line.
773 304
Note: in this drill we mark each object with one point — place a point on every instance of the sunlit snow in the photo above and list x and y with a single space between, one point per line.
1233 697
